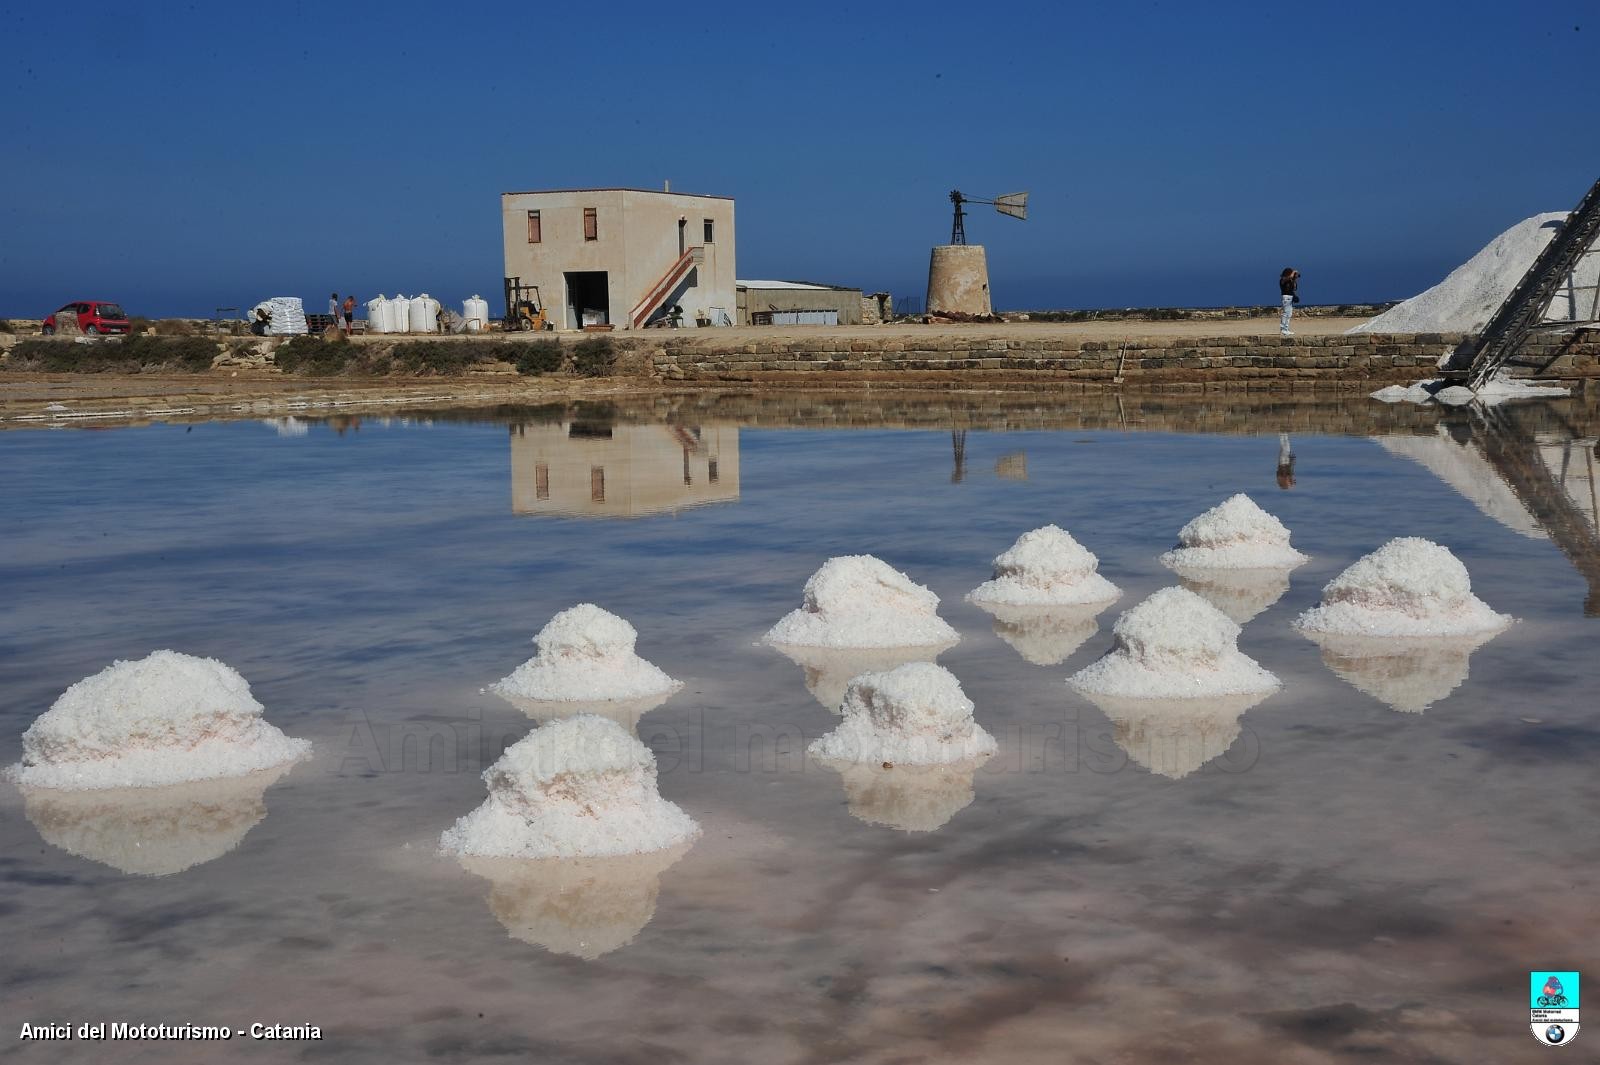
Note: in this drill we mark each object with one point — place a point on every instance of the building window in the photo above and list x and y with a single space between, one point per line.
710 232
541 481
591 224
597 484
535 235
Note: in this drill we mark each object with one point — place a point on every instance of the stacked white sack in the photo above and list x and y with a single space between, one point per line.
586 654
916 714
1045 567
1234 534
862 601
578 788
1174 645
168 718
1408 587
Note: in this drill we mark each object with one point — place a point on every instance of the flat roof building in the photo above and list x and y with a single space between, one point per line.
623 257
797 303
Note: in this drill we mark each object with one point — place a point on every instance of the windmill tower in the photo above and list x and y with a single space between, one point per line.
958 272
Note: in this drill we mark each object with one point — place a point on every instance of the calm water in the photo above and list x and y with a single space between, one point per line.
1337 880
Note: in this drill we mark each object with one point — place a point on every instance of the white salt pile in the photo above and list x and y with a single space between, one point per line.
579 788
152 831
1044 636
1408 675
1408 587
910 798
1045 567
1500 388
1234 534
1175 737
586 907
168 718
1239 593
586 655
1465 300
829 670
914 715
1174 645
862 601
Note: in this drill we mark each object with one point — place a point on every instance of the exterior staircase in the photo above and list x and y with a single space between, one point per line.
662 289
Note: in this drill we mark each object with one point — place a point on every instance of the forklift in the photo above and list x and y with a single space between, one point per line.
524 308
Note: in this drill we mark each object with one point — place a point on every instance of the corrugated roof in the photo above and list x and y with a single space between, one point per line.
808 285
620 188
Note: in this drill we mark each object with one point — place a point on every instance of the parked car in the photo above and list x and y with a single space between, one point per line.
94 317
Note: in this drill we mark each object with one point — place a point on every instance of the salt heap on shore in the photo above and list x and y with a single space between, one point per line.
1174 645
586 907
1465 300
578 788
1045 567
829 670
586 655
1408 587
862 601
168 718
152 831
1044 635
916 714
1234 534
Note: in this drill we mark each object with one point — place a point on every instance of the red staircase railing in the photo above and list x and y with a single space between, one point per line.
663 288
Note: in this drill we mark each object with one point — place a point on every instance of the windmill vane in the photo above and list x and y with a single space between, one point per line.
1012 204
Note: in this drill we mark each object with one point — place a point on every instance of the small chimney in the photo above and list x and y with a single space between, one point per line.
666 186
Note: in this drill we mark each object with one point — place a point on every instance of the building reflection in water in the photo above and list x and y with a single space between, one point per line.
585 907
594 468
152 831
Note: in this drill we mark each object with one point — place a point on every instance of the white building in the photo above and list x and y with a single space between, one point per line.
623 257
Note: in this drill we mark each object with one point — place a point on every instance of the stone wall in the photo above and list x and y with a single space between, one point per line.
1340 361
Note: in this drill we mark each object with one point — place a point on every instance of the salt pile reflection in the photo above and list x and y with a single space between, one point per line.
911 798
585 907
1175 737
1045 636
152 831
1408 675
829 670
1239 593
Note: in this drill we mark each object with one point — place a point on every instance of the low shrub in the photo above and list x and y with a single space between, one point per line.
536 357
174 327
6 326
312 356
135 354
594 357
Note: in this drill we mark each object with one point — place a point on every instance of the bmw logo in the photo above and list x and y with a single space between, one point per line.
1554 1034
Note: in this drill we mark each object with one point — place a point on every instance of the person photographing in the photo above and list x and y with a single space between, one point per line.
1289 290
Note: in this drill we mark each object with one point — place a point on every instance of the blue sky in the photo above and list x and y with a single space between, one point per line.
198 155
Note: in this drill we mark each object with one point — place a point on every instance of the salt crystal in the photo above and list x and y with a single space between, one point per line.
916 714
1234 534
168 718
862 601
586 655
1408 587
582 787
1174 645
1045 567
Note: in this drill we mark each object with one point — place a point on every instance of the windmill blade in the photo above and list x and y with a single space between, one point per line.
1014 204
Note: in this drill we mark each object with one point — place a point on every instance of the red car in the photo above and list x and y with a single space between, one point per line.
94 317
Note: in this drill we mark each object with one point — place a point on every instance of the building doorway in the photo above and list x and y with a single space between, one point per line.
588 298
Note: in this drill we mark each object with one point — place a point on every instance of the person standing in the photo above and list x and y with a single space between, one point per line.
1289 290
349 315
